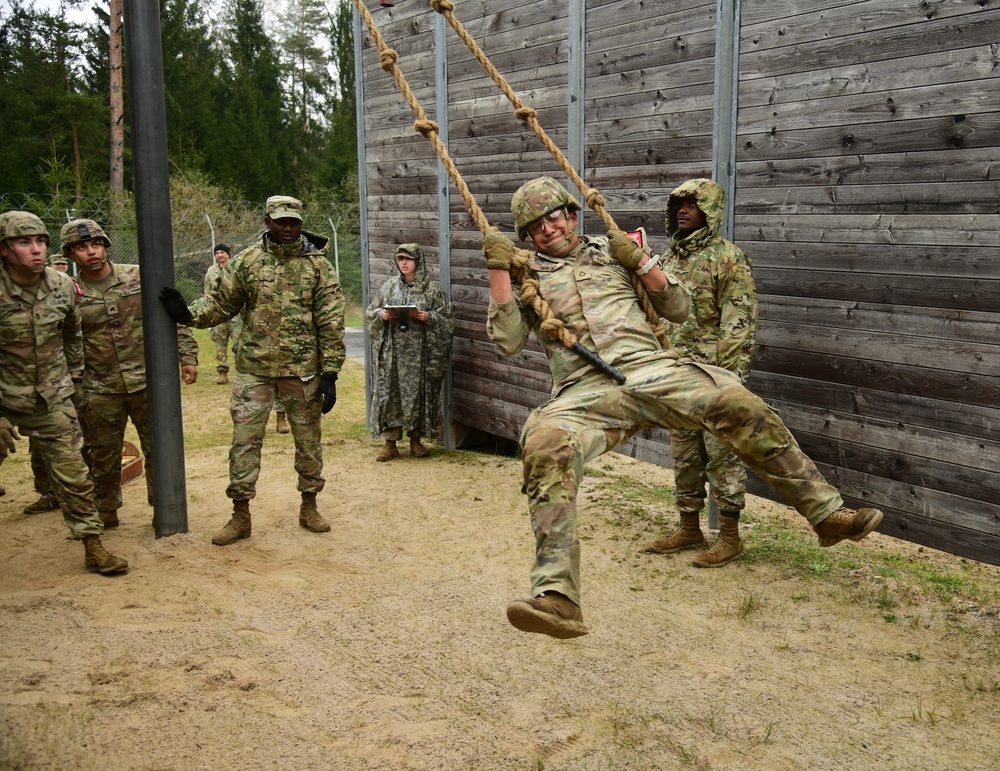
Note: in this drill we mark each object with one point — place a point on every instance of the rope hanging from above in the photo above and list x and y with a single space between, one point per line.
526 114
551 326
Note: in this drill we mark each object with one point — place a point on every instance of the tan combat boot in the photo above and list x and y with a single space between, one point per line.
552 613
236 528
282 423
417 450
727 548
100 560
223 378
847 523
48 502
109 518
688 537
388 452
309 516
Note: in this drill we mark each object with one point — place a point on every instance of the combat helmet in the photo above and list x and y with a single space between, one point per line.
75 231
537 198
15 224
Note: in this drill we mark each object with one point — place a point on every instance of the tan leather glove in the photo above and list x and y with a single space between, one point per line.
499 249
624 249
7 436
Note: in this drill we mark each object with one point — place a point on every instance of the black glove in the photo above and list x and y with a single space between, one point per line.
327 391
177 309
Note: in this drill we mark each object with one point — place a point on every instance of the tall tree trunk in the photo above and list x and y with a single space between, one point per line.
77 161
117 181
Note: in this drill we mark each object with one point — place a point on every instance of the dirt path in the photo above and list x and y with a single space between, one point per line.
383 644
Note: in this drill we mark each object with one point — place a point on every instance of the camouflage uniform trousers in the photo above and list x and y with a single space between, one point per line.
593 415
104 418
221 335
57 435
699 457
250 405
40 474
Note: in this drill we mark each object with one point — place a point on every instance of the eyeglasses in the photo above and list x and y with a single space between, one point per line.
552 218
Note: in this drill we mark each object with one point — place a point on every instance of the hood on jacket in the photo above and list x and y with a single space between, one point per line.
709 196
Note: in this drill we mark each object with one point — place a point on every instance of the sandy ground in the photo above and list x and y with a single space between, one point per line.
384 645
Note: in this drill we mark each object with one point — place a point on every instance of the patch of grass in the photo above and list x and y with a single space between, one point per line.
749 603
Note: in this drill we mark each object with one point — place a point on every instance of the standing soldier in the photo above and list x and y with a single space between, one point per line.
721 330
231 330
39 342
586 283
292 346
114 358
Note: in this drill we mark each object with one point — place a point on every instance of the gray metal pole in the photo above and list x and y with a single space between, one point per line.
148 114
444 209
359 117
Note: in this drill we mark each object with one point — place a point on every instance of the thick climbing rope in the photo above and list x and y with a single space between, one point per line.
592 196
550 326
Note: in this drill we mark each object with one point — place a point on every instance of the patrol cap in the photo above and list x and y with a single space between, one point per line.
75 231
58 259
537 198
14 224
279 206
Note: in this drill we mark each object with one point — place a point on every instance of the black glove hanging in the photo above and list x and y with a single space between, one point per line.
327 391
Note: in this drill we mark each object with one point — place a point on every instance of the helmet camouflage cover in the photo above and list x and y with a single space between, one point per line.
75 231
537 198
14 224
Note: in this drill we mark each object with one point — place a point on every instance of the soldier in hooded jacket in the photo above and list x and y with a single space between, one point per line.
720 330
40 346
114 358
410 355
292 346
586 284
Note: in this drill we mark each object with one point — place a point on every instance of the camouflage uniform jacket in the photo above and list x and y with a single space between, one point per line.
114 355
409 365
722 327
292 307
40 342
593 296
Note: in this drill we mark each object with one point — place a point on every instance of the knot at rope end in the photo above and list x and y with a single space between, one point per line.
387 59
442 6
594 198
426 127
524 113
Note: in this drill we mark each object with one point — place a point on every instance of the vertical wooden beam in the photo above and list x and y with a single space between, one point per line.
359 120
727 62
444 202
577 91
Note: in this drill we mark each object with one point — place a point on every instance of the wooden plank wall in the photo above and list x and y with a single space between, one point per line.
865 198
867 132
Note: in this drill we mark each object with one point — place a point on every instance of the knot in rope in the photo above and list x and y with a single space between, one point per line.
521 257
387 59
524 113
594 198
426 127
529 292
441 6
555 329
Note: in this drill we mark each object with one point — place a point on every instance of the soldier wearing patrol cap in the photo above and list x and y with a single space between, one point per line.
292 346
60 263
40 345
586 282
114 372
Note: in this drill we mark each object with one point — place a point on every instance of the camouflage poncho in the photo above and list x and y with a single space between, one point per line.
722 327
409 365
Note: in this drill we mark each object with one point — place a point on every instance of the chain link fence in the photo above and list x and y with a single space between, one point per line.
198 225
